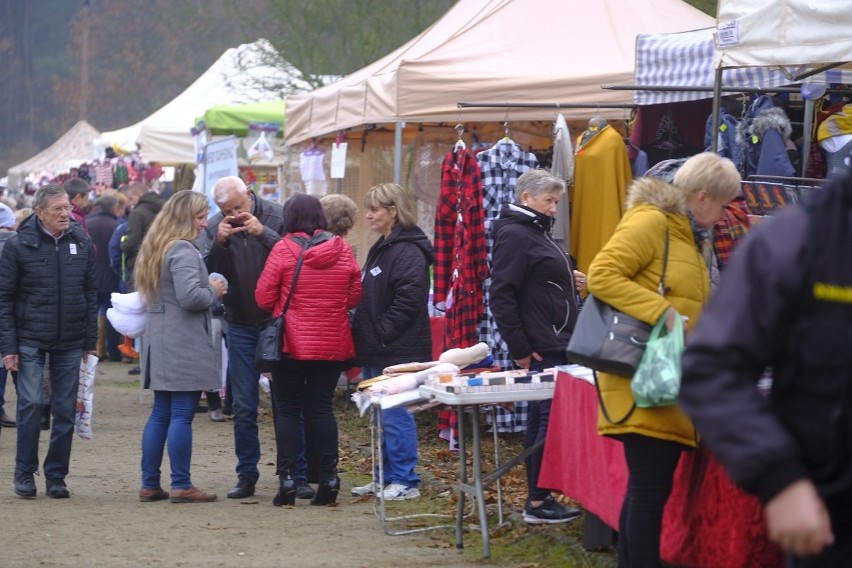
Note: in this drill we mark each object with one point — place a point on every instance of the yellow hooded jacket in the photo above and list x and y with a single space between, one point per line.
626 275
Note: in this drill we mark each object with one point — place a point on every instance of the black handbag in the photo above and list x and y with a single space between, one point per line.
270 343
605 339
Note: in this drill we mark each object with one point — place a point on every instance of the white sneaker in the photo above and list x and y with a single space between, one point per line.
369 489
398 492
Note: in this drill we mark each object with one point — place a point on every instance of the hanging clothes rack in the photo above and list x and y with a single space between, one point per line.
717 91
543 105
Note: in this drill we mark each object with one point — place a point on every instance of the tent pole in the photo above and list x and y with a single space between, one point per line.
806 132
397 152
717 103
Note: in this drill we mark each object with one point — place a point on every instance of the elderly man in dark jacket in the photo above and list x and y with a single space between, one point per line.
241 236
48 306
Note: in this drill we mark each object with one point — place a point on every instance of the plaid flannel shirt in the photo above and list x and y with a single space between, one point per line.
460 258
729 230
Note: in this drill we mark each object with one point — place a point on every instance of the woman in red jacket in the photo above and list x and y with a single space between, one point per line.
317 339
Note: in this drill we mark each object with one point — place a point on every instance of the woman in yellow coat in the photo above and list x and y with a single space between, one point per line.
626 274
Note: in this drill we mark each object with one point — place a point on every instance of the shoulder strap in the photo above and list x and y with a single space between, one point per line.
662 286
295 272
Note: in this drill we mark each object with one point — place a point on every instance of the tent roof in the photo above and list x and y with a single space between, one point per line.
235 119
783 32
72 148
238 76
503 51
687 59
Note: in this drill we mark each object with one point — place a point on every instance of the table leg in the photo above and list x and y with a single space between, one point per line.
462 478
477 482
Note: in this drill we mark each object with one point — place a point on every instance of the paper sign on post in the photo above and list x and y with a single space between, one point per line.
338 160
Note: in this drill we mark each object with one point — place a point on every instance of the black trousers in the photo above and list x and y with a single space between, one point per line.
651 465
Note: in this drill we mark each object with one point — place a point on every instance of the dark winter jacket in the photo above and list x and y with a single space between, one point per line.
101 225
785 302
48 297
532 292
391 324
138 223
241 261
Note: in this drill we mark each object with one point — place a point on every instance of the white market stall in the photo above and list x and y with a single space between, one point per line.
238 76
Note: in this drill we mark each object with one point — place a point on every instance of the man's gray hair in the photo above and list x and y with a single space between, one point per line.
45 193
223 188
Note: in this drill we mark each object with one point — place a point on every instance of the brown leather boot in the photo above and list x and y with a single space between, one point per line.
191 495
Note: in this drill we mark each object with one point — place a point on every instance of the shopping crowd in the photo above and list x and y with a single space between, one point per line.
255 261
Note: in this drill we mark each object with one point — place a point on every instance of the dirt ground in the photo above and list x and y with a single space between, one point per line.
103 524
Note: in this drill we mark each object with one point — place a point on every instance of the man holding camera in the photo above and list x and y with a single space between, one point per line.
242 234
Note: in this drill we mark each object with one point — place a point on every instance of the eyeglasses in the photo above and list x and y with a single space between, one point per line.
59 209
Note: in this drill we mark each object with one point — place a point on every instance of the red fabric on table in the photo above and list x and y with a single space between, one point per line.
720 527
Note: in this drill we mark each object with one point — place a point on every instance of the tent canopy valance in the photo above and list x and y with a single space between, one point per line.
499 51
235 119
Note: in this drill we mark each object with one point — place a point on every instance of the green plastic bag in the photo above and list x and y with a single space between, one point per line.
657 379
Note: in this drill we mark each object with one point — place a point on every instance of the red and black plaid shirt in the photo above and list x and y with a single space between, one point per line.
460 257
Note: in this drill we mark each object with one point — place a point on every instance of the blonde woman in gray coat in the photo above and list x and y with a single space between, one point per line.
178 355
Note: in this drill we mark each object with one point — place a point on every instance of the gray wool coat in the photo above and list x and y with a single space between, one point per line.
178 351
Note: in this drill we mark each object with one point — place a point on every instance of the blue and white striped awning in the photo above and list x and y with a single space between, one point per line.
685 59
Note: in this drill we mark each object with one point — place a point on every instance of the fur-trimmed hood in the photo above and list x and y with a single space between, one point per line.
665 196
771 118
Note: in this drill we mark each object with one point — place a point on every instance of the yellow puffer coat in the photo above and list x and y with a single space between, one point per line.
626 274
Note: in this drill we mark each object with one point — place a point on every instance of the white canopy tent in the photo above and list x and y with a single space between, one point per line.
783 32
69 150
504 51
238 76
792 35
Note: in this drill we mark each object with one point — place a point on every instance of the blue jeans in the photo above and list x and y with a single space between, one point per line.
242 342
243 376
64 382
399 442
170 423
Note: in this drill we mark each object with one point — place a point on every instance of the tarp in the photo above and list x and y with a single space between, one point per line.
783 32
235 119
687 59
71 149
236 77
500 51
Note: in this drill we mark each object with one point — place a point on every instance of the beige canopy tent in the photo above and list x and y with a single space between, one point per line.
70 150
503 51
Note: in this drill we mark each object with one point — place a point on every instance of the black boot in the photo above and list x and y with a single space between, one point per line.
327 492
286 492
329 484
45 417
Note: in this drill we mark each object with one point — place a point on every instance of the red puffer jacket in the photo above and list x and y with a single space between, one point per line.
328 286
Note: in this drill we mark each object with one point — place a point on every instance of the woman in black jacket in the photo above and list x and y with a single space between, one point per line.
533 297
391 325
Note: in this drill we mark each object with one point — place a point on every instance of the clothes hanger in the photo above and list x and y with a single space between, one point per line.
597 122
460 145
506 137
